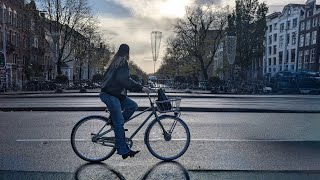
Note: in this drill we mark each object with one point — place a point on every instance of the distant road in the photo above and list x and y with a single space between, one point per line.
236 103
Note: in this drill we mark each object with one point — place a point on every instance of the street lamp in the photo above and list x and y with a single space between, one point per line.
155 46
231 46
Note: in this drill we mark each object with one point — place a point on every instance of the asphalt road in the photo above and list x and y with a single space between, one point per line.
233 103
35 145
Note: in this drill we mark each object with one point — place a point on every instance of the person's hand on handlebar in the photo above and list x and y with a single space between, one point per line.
146 90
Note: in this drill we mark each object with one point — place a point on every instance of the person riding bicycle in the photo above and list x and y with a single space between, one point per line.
114 88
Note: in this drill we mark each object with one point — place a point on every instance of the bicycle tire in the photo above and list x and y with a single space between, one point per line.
158 144
85 139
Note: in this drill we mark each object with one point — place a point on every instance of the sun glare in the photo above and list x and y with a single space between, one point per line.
174 8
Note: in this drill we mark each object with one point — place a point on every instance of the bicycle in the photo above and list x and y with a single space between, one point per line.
167 137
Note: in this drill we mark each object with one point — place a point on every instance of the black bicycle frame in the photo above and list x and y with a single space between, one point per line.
154 112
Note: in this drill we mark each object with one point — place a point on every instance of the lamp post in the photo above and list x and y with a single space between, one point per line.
4 52
231 46
155 46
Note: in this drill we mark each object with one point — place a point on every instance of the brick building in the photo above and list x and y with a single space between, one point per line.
309 39
22 41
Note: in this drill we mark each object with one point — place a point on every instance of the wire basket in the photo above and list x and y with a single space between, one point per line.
170 105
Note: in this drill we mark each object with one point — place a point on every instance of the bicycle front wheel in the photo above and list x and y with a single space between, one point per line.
92 139
167 138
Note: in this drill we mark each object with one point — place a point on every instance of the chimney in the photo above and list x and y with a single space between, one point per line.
42 14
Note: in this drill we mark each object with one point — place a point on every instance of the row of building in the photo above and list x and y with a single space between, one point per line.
292 39
292 43
26 49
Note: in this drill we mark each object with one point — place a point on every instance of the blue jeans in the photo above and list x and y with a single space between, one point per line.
121 111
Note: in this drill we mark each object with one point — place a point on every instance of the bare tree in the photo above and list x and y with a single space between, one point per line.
64 20
200 33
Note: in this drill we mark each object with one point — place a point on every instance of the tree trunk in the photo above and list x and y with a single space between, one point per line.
203 69
59 63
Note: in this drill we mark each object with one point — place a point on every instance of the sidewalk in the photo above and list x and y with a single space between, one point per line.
169 92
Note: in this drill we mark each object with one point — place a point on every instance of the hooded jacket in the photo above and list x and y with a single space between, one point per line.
117 81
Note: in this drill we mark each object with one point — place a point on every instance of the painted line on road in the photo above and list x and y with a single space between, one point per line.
40 140
209 140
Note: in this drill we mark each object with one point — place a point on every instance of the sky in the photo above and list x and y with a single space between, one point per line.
132 21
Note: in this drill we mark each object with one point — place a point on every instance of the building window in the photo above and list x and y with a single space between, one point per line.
302 26
281 27
293 55
274 49
24 60
15 19
33 25
281 41
280 57
313 55
269 59
300 57
314 22
307 42
292 67
314 37
308 25
270 50
270 28
288 24
306 56
9 16
275 26
275 37
14 59
35 42
288 39
270 39
280 68
301 40
294 23
294 38
287 57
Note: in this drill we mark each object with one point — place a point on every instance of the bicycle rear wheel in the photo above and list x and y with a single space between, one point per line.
92 139
169 144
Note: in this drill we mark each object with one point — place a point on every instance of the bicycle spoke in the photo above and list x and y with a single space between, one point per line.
92 139
167 138
172 127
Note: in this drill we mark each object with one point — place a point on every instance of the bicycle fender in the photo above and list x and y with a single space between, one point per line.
95 116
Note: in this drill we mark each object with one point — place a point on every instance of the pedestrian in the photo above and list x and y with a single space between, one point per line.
114 86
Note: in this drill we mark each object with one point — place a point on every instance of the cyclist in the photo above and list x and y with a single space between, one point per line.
113 93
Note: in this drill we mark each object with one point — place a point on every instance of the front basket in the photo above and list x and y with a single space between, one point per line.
170 105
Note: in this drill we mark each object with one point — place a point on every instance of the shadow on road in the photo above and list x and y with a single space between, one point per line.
161 170
97 171
167 170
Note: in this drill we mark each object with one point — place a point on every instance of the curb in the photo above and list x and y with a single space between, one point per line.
141 95
183 109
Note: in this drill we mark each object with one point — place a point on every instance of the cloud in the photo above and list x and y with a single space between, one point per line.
136 32
110 8
142 17
131 22
203 2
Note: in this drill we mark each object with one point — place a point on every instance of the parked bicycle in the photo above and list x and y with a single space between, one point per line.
167 137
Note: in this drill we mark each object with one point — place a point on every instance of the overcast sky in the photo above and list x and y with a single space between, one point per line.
131 22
